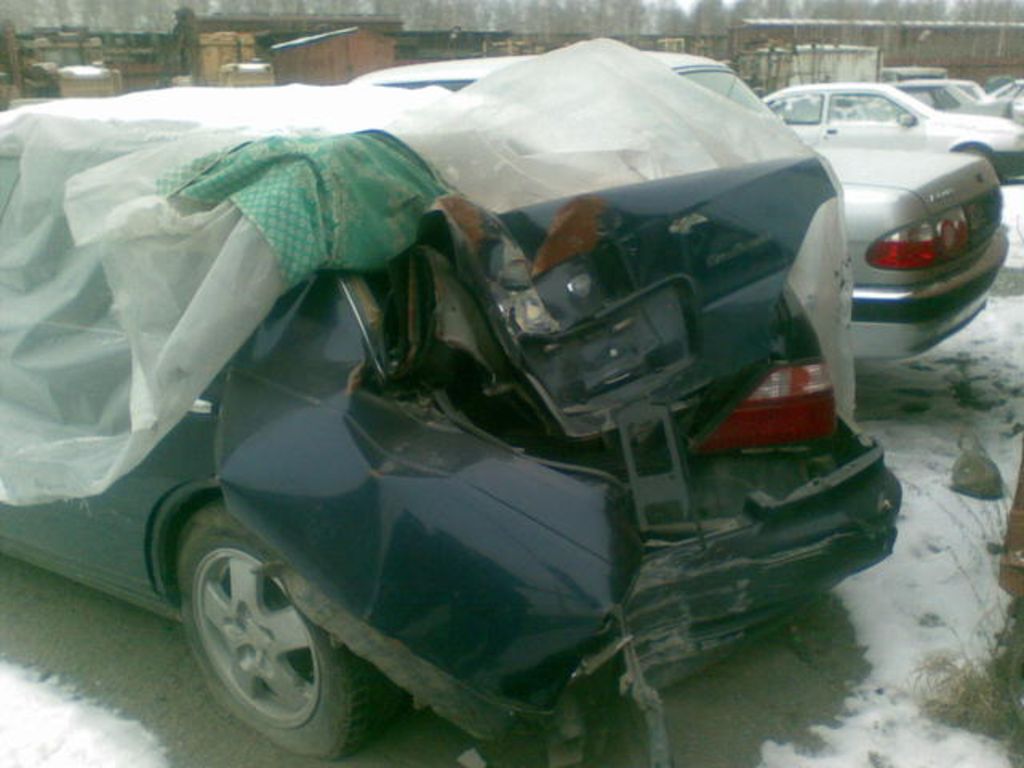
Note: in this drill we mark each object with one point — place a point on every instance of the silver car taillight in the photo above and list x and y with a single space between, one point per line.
923 244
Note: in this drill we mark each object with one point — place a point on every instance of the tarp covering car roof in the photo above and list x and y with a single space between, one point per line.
119 304
352 201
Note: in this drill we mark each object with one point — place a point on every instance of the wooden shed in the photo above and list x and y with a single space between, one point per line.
216 49
332 57
971 49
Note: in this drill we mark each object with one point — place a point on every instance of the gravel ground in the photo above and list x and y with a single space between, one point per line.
136 663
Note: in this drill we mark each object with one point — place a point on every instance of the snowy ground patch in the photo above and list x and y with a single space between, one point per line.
43 725
938 592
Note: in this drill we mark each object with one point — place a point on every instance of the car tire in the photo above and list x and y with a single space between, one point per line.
263 660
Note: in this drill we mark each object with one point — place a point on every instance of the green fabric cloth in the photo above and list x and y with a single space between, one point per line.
352 201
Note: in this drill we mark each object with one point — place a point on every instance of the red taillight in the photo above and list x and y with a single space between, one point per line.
792 404
922 245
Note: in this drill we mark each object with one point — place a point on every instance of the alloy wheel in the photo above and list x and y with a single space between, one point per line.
256 640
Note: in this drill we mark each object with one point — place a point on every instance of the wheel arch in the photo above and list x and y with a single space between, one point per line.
163 534
969 145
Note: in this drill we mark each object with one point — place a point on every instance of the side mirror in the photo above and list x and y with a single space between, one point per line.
907 120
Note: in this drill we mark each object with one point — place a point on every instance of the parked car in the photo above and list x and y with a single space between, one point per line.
949 96
583 435
456 75
897 74
1009 95
926 243
878 116
1010 89
995 82
971 88
891 199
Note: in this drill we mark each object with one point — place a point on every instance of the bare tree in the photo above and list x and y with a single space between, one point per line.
668 18
546 17
710 17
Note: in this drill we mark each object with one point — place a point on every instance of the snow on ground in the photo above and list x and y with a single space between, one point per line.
43 725
938 592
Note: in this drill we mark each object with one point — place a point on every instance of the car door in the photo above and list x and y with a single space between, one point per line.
804 113
102 540
871 120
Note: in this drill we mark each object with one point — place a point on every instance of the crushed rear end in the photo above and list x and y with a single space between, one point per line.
795 525
619 387
598 428
662 345
652 331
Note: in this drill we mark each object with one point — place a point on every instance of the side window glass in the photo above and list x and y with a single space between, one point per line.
925 97
802 109
944 99
725 83
863 108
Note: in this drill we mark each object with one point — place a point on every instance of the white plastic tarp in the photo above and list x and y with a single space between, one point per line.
600 114
117 309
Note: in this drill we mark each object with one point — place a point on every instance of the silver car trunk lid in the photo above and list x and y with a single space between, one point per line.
941 180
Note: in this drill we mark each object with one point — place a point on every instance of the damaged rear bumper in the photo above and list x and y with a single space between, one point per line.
693 599
690 600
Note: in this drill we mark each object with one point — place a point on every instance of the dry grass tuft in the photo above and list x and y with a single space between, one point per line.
973 696
965 694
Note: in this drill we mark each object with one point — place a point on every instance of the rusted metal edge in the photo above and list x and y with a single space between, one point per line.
1011 565
480 715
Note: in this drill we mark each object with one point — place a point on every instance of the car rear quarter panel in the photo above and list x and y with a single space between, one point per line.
498 572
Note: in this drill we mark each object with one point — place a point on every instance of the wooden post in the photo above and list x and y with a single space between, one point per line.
1011 566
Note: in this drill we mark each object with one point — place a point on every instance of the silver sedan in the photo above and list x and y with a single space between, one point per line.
925 237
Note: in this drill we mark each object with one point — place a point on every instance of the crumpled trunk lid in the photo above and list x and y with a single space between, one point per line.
644 292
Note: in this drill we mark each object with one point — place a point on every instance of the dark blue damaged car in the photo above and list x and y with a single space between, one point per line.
592 437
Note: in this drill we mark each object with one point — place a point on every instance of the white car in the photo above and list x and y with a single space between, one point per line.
458 73
1011 90
971 88
968 88
950 96
874 115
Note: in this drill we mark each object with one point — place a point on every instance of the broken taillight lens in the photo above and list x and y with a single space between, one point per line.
792 404
924 244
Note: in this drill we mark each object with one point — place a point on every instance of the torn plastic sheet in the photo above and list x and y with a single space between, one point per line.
600 114
107 338
113 317
114 310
